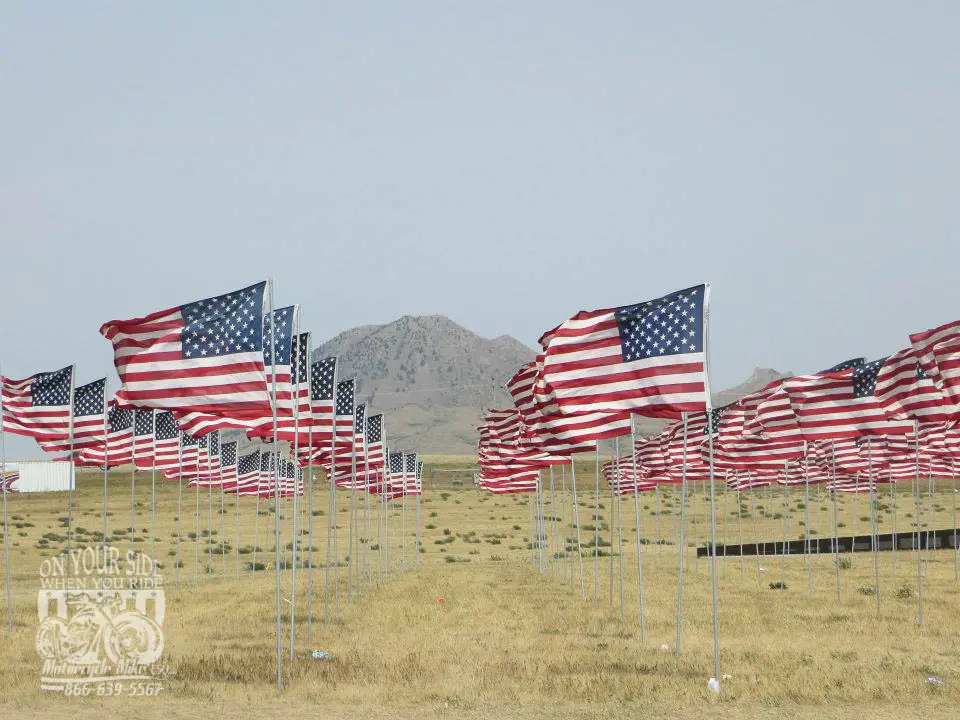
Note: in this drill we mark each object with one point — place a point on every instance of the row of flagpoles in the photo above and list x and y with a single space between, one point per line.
197 383
847 427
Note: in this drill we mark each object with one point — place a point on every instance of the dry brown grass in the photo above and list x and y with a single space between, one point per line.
510 642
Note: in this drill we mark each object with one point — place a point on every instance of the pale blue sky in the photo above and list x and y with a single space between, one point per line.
503 163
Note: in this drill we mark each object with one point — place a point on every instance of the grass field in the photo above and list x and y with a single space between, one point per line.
508 640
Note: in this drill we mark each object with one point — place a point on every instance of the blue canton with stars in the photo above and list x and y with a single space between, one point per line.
120 419
188 441
358 419
670 325
345 397
166 427
282 330
51 388
224 325
411 463
865 378
299 371
143 423
249 463
396 463
715 416
88 399
228 454
845 365
215 443
374 429
321 380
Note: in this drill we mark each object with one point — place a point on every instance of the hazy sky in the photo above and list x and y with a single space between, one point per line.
503 163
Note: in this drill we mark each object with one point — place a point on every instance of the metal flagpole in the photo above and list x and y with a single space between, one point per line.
596 529
893 506
196 542
153 486
553 527
296 486
740 530
331 501
613 516
833 502
873 523
576 522
713 502
619 503
106 467
236 508
180 504
256 506
956 549
682 541
419 487
368 550
806 521
133 474
276 481
351 563
636 509
223 519
309 489
73 468
786 519
539 511
756 536
563 527
6 523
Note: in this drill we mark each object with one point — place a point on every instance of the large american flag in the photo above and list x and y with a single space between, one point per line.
905 391
205 356
646 358
841 404
39 406
938 351
560 434
89 404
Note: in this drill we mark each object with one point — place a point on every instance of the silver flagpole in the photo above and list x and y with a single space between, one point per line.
256 506
276 481
619 503
73 468
223 519
836 527
295 360
106 450
153 485
351 567
596 529
806 521
419 487
331 500
873 523
180 504
615 469
956 549
563 529
893 505
539 512
786 519
309 489
636 510
367 551
196 542
713 502
6 523
133 474
236 508
740 530
756 536
682 542
576 522
551 556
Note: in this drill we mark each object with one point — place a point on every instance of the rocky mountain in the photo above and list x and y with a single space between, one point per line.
434 378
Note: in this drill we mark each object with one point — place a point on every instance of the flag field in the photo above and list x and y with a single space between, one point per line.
478 631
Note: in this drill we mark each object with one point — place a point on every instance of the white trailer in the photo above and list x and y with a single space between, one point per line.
30 476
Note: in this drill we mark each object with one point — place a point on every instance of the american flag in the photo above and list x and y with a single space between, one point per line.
189 455
209 471
323 383
905 391
143 439
752 453
938 351
841 404
248 474
205 356
228 465
88 416
39 406
560 434
343 462
411 481
166 444
396 480
119 442
375 433
517 481
297 422
646 358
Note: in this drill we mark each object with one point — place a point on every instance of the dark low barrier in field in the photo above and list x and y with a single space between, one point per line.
934 539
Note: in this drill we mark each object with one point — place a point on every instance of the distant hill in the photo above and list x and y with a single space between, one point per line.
431 375
434 378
